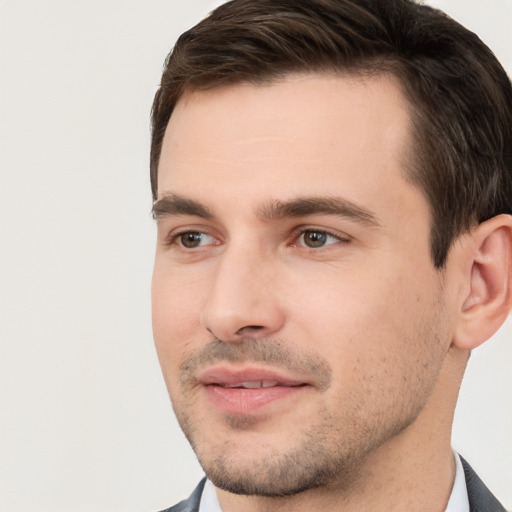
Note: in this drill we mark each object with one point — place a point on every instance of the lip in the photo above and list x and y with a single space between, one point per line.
223 376
223 389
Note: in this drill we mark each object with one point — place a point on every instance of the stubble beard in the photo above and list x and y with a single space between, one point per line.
324 456
330 451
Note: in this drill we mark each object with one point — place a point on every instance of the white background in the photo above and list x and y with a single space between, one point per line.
85 422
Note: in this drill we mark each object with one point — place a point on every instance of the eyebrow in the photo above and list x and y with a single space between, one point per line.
304 206
174 204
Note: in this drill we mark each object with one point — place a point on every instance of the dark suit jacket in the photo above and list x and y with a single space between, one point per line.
480 498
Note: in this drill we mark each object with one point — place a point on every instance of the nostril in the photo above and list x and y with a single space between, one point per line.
248 328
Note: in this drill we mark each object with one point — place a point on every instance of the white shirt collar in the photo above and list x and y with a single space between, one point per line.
458 501
209 501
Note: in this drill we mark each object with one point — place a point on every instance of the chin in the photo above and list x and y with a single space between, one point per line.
278 474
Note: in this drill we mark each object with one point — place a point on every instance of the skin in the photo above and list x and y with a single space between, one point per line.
348 304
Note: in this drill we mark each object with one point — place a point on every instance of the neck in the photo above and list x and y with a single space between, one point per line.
414 470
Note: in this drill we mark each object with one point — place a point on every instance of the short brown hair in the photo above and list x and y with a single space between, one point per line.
459 94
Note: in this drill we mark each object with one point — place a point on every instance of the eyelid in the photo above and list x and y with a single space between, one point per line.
204 239
172 236
301 230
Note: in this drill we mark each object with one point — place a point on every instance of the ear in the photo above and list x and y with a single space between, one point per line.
489 300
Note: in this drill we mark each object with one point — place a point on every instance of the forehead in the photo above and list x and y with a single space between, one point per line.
305 131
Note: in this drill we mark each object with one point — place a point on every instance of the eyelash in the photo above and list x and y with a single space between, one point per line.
304 231
174 238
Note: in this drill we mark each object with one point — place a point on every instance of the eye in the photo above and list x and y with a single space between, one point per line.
193 239
314 238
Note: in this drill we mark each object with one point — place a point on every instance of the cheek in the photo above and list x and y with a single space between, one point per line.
368 323
175 319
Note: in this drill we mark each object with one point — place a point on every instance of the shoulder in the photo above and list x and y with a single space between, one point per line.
192 503
480 497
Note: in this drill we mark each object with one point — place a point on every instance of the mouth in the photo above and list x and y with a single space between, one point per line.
248 378
256 384
248 391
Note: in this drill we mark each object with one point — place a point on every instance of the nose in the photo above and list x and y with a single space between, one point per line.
244 300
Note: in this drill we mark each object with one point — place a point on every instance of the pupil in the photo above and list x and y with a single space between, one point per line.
190 240
315 238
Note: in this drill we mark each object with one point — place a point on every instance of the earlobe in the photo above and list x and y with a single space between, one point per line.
489 299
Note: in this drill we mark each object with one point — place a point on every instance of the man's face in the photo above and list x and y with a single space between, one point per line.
298 319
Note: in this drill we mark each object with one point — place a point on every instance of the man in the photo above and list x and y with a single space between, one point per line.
333 192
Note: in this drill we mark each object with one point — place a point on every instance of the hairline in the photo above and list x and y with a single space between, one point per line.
366 68
410 168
